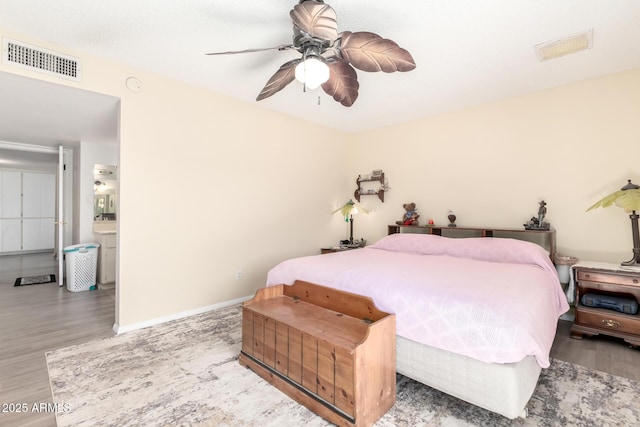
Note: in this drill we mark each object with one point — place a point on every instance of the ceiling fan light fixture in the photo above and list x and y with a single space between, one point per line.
312 72
330 58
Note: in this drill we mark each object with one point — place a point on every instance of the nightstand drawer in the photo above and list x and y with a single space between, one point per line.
599 287
608 320
618 279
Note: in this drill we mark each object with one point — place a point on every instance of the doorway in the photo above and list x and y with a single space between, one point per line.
40 113
35 180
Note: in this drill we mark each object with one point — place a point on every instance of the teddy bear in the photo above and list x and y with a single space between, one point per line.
410 216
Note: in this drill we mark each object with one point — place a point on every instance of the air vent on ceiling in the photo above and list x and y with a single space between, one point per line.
566 46
38 59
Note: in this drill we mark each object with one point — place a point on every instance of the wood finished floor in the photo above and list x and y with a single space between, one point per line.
35 319
39 318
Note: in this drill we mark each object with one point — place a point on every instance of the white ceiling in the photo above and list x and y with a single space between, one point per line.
41 113
467 52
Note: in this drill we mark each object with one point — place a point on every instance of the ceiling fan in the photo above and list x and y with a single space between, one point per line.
328 57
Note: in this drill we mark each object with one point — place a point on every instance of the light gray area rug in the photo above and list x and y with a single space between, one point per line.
186 373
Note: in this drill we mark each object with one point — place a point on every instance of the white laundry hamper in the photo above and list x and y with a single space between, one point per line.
81 265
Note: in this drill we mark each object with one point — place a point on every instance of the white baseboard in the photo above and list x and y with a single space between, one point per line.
158 320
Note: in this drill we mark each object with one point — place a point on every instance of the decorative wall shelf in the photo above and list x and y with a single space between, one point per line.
360 191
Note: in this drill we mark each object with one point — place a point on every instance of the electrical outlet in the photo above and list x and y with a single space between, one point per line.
239 275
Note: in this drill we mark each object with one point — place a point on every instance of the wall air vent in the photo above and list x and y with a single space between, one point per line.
566 46
41 60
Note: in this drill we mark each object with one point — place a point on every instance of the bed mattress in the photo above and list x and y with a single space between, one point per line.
501 388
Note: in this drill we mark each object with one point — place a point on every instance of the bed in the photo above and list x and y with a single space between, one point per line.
475 317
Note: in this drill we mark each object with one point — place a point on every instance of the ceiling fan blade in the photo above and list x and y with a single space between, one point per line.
370 52
343 82
282 77
233 52
316 19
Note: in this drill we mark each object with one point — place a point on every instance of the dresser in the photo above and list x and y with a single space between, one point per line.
608 280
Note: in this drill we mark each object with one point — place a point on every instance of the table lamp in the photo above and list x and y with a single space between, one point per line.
349 209
628 198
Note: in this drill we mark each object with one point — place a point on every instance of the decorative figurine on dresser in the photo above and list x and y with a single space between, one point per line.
410 216
537 223
452 219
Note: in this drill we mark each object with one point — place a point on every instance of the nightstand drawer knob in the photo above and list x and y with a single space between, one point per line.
635 281
610 323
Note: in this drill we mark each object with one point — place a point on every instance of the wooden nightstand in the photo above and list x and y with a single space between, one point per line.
606 279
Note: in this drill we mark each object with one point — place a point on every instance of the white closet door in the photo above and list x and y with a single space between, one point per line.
37 233
38 195
48 195
10 211
11 190
47 211
11 235
47 233
38 211
31 234
31 195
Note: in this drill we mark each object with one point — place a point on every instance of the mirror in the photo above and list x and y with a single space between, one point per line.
105 199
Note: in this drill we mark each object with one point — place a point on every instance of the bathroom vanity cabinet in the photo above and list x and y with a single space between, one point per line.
106 256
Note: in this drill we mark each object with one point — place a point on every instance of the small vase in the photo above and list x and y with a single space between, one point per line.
452 219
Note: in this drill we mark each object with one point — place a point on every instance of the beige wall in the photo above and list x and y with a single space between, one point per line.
239 189
491 164
210 185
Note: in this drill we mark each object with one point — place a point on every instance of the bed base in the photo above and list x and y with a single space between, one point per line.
501 388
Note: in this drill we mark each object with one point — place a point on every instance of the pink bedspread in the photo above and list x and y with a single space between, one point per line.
492 299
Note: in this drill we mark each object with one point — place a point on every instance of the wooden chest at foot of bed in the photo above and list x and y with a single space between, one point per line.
332 351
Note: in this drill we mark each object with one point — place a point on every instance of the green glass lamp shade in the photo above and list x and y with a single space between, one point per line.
627 198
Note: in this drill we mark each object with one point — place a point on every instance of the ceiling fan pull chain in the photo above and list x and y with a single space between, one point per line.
304 83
